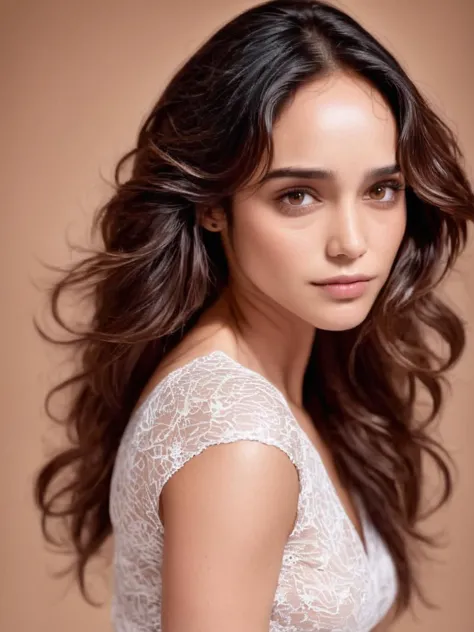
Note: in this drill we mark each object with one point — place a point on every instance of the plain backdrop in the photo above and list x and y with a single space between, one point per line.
77 78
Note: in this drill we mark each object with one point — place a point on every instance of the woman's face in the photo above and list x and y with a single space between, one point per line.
322 211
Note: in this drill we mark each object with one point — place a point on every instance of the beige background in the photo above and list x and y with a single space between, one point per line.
77 78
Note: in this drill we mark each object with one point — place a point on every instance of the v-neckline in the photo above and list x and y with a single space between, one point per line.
361 539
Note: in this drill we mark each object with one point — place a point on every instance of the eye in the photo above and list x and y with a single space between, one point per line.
392 188
297 201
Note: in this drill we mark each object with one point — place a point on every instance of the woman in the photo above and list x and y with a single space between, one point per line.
246 395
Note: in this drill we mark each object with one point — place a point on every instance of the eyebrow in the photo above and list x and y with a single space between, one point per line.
324 174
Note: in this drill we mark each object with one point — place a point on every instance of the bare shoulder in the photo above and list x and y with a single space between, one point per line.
227 515
230 477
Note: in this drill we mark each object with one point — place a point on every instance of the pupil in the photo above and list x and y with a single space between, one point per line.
297 195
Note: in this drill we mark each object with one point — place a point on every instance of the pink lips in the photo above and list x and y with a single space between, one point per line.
345 287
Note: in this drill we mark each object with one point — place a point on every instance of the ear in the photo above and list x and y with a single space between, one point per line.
211 218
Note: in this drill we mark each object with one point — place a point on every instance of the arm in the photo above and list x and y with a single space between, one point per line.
227 514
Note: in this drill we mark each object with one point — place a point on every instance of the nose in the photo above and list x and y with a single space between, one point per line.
346 236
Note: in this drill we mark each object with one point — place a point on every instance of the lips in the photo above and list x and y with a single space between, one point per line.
344 280
345 287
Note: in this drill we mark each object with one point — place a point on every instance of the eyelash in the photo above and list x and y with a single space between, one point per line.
289 209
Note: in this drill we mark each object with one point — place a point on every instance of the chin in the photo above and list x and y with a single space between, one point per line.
339 326
341 320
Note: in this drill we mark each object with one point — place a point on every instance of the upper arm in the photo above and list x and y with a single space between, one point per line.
227 513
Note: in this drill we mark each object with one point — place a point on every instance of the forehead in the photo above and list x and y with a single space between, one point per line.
340 122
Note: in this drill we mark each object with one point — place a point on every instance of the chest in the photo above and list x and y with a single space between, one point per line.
333 576
342 495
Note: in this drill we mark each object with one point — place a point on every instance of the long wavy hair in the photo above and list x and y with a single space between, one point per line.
157 270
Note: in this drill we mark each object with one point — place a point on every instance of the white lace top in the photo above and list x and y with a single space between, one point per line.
328 581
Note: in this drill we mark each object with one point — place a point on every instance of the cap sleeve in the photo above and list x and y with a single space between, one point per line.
205 404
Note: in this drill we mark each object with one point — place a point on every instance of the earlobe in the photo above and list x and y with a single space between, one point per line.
211 219
211 225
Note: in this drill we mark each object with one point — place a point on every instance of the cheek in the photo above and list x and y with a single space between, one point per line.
264 250
388 246
256 237
272 255
399 231
389 234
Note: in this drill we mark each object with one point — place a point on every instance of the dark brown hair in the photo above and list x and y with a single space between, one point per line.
158 270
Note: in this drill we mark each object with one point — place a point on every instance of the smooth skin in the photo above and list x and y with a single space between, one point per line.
229 511
228 514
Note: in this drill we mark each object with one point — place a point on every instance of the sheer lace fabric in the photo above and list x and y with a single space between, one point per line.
328 581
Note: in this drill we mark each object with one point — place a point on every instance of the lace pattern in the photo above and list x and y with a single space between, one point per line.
328 581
